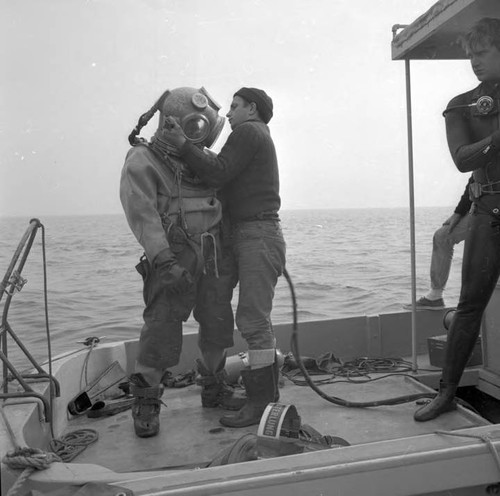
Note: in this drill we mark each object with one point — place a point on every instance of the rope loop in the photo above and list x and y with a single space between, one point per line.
481 437
31 459
28 460
22 458
72 444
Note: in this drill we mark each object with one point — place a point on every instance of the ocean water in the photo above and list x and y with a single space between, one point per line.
342 263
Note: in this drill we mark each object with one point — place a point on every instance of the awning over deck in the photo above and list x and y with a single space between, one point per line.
435 34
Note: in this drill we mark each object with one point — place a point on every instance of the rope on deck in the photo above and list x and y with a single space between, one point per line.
29 459
485 438
72 444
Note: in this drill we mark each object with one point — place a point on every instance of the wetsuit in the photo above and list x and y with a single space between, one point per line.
474 143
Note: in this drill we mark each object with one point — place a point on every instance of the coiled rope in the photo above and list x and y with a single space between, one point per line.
356 371
72 444
31 459
28 460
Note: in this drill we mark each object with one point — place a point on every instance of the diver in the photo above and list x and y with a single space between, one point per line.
473 134
176 219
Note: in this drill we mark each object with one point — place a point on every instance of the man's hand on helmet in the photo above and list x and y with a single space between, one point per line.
174 278
173 133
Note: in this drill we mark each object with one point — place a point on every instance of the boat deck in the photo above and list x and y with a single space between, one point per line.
383 439
191 435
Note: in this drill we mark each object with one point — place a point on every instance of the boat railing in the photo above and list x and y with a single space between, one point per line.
11 284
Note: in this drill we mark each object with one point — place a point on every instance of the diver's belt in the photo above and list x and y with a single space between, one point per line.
476 190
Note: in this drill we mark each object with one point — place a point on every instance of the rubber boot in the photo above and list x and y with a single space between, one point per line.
215 391
459 345
146 407
261 386
442 403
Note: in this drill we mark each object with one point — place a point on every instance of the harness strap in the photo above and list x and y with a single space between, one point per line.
146 392
211 264
476 190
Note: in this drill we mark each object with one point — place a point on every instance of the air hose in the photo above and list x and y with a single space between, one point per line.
294 343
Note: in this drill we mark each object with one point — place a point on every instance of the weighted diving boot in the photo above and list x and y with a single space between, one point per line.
442 403
146 407
261 386
215 391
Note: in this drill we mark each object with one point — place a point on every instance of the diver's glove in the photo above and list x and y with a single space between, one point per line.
174 278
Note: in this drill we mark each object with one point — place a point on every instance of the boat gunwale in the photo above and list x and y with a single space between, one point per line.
423 452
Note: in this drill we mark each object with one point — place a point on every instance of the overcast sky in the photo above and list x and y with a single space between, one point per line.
78 73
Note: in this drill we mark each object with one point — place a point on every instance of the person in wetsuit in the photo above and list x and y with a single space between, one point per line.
473 134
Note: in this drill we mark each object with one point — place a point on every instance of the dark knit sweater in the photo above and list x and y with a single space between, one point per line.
245 171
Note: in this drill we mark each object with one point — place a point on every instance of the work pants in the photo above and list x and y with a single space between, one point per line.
209 298
260 254
443 244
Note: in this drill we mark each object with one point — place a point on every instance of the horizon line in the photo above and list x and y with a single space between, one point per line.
293 209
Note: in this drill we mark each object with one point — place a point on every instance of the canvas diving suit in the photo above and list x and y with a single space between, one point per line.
148 190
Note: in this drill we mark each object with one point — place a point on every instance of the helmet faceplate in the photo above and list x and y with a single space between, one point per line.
196 112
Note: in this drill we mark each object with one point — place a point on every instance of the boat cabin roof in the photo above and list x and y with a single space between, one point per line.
435 35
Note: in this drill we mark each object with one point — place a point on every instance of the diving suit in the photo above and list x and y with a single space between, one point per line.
177 220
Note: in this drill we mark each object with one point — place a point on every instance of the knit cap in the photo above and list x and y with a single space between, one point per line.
260 98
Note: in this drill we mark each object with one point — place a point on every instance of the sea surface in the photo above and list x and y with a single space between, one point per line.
342 263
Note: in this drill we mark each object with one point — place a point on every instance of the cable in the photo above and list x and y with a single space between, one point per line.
294 342
47 329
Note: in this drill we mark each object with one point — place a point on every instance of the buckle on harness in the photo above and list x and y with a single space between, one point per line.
476 190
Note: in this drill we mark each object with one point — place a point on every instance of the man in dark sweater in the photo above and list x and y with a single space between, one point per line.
452 232
246 174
